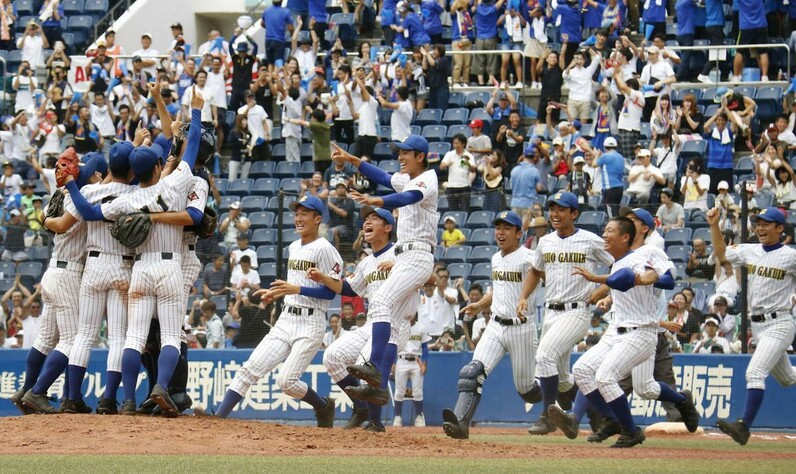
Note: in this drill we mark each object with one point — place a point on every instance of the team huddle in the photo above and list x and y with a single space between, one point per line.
107 265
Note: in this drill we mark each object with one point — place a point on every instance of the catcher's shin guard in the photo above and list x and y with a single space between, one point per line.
179 381
471 380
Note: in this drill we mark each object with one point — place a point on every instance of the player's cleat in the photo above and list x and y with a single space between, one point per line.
359 416
367 372
147 408
595 419
372 427
367 393
628 440
566 399
688 411
565 421
181 400
16 399
161 396
128 408
37 403
420 421
107 406
397 421
542 427
325 415
74 407
607 429
202 413
453 427
737 430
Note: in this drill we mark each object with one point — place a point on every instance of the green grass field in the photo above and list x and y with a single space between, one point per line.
634 462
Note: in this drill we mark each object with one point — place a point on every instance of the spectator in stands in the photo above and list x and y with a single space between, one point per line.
244 278
432 24
32 44
114 50
11 185
714 30
753 29
35 214
784 189
339 172
214 278
216 45
612 17
276 20
643 177
667 55
710 341
771 138
562 131
242 66
514 25
612 169
699 266
445 342
670 213
688 323
537 228
401 118
629 123
460 164
720 147
486 16
437 66
360 320
51 13
694 186
510 138
478 143
24 84
367 116
292 114
526 182
689 120
492 172
505 104
463 35
15 225
410 33
23 131
259 128
657 75
85 134
785 133
98 70
686 13
664 116
348 316
568 16
472 337
214 329
579 181
441 310
552 79
335 331
726 321
579 80
210 115
8 16
343 128
26 198
560 161
735 104
452 236
666 150
103 117
320 131
341 215
603 117
234 224
147 54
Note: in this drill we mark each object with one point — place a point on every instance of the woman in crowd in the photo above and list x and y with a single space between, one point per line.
492 171
689 119
663 117
603 117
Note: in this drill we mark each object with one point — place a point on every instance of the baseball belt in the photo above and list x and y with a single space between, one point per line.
163 255
299 311
423 247
65 264
508 321
761 318
95 253
564 306
409 357
626 330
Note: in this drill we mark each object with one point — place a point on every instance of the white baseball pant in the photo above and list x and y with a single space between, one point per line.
406 370
352 345
773 338
191 266
612 359
411 270
48 331
156 284
60 290
294 340
561 331
518 342
103 291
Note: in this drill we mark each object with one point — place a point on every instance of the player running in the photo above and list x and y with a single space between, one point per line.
507 332
772 279
567 316
298 333
417 195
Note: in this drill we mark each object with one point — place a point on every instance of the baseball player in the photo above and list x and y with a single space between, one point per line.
772 279
298 333
417 195
567 316
156 281
61 289
369 275
507 332
600 369
644 377
411 365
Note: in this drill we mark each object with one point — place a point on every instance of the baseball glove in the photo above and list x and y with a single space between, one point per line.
56 206
132 230
207 228
67 165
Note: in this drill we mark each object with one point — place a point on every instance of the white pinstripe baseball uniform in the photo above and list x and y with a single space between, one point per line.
106 281
407 366
636 325
191 266
772 279
298 334
563 328
365 281
517 339
156 282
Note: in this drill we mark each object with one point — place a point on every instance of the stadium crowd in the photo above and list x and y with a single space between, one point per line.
606 123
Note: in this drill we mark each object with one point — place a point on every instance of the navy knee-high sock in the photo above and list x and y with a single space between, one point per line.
231 398
313 399
754 398
669 395
549 391
351 381
74 390
379 338
55 364
399 407
167 361
621 409
388 359
131 366
33 365
580 406
599 403
112 385
418 407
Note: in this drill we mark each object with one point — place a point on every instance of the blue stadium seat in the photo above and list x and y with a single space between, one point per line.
30 269
25 7
72 7
263 237
22 22
267 272
287 169
428 117
262 219
596 202
385 132
307 169
454 130
472 99
646 131
693 149
253 203
95 8
476 202
696 219
390 166
290 185
679 253
227 201
479 219
707 96
456 99
222 184
457 254
306 151
276 132
592 220
678 237
80 23
460 216
262 169
434 133
39 254
481 271
442 204
266 253
769 100
415 129
240 187
382 151
6 284
289 236
346 28
680 93
703 233
265 187
14 58
439 147
273 202
456 116
482 237
459 270
482 253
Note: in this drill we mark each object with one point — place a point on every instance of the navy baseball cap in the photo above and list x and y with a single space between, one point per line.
770 214
143 159
119 156
564 199
644 216
86 169
164 144
99 162
383 213
414 142
509 217
312 203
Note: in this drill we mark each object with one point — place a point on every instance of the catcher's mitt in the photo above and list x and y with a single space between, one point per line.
56 206
67 165
132 230
207 228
